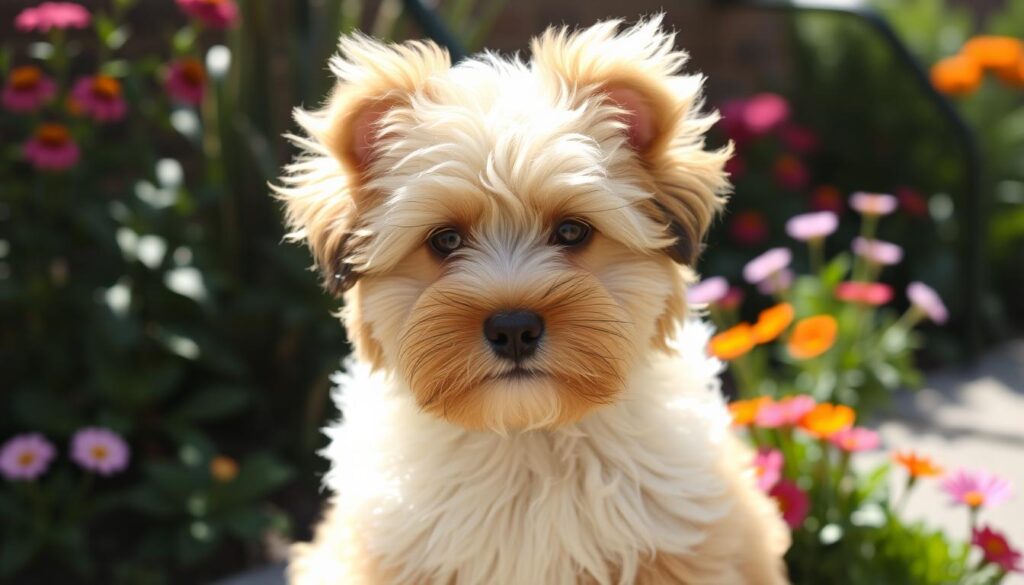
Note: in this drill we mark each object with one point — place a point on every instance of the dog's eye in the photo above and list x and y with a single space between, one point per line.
571 232
445 241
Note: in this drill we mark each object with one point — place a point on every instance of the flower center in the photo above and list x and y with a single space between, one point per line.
99 452
26 77
53 135
996 548
26 458
192 72
974 498
106 87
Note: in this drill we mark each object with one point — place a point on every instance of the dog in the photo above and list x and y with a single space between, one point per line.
528 403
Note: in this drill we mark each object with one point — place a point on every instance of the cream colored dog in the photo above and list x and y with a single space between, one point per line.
512 239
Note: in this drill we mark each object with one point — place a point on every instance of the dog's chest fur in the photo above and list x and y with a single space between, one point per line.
599 497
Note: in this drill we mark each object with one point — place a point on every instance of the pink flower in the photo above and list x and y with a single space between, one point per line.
26 457
878 251
800 139
925 298
768 467
976 489
100 98
212 13
792 502
51 148
749 228
59 15
708 291
785 412
867 293
827 198
856 439
876 204
764 112
732 299
812 226
996 549
27 89
100 450
767 265
186 81
790 172
912 202
782 280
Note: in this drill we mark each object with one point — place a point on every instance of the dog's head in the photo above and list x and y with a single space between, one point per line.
511 238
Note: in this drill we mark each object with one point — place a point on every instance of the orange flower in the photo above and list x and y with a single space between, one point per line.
825 420
772 322
732 343
744 412
1000 55
813 336
223 469
917 465
957 75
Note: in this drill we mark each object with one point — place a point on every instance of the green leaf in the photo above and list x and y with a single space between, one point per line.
258 476
17 551
836 270
213 402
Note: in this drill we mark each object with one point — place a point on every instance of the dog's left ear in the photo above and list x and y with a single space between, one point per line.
634 76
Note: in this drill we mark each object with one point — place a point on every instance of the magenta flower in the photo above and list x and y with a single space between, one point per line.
48 15
186 81
878 251
866 293
812 226
792 502
708 291
782 280
51 148
749 228
26 457
912 202
99 97
768 467
996 549
212 13
827 198
856 439
767 265
926 299
791 173
100 450
764 112
976 489
800 139
27 89
785 412
876 204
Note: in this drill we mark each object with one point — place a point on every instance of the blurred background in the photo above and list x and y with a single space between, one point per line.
145 291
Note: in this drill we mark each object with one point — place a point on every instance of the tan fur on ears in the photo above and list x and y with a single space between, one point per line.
638 70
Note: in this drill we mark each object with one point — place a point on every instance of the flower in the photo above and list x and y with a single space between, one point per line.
749 228
708 291
876 204
826 419
956 75
772 322
976 489
100 450
996 549
866 293
797 138
912 202
856 439
212 13
744 412
927 300
732 343
812 226
223 469
768 467
51 148
100 98
790 172
27 89
764 112
812 336
787 412
58 15
767 265
878 251
186 81
732 299
827 198
917 465
26 457
1000 55
778 283
792 502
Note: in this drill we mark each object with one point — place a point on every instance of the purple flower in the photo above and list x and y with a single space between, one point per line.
925 298
876 204
766 265
976 489
100 450
878 251
708 291
781 281
26 457
812 226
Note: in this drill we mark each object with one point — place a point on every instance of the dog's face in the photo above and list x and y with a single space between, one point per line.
512 238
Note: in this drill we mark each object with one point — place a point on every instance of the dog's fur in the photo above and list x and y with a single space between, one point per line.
615 464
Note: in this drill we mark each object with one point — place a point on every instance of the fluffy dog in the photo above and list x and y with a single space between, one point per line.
512 240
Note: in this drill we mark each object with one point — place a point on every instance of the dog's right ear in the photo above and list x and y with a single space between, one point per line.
325 190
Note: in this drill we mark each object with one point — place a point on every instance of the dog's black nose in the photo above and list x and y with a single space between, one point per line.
514 335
